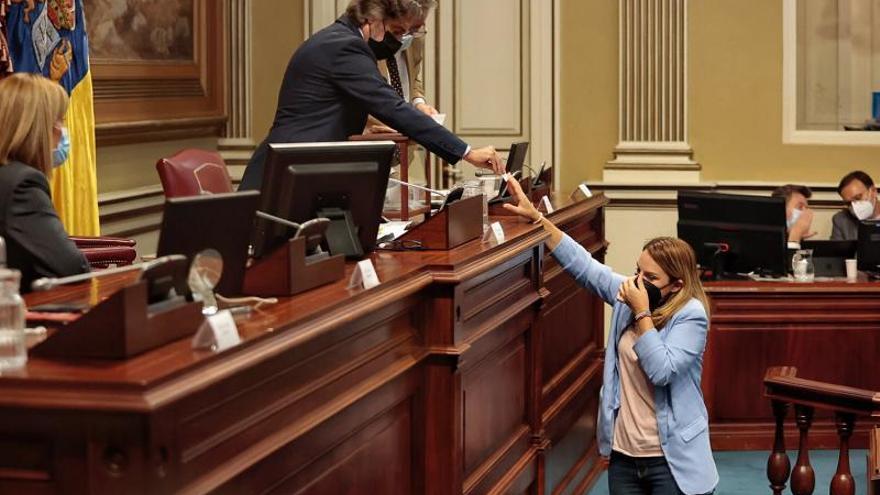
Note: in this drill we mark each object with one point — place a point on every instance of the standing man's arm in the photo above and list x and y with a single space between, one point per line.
415 57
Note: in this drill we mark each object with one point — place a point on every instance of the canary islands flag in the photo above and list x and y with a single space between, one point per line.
48 37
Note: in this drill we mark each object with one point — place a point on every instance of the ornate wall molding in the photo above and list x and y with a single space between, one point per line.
653 92
139 99
237 145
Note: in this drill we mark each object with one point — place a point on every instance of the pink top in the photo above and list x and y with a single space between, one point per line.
635 430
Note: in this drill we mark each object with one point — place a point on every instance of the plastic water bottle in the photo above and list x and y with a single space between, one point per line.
13 352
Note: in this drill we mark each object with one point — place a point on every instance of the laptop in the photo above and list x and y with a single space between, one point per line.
829 257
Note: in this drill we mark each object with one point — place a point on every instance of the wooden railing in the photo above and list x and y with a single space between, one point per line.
784 388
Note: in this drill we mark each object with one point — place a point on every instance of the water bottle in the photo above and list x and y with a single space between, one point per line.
13 352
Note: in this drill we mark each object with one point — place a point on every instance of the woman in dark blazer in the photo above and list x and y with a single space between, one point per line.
332 83
32 142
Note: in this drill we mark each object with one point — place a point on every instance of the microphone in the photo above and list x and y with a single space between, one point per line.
423 188
46 283
279 220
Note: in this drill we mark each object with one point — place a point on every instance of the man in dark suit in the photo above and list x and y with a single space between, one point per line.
858 190
332 83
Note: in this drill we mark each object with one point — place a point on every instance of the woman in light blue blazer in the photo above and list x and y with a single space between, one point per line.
653 423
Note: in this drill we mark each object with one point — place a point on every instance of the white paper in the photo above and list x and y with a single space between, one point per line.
396 228
545 202
494 234
218 332
586 190
439 118
364 275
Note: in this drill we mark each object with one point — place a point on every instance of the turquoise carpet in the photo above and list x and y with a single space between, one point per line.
745 473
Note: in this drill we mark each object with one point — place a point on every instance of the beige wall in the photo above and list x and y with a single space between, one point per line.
734 100
588 88
278 30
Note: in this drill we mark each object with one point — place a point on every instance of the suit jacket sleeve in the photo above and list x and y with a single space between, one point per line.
35 226
414 57
355 74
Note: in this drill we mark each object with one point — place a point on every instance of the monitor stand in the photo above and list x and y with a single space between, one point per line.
341 234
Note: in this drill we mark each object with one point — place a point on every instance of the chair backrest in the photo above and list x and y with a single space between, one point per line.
192 172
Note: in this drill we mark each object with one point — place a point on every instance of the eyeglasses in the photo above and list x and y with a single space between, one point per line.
401 245
419 33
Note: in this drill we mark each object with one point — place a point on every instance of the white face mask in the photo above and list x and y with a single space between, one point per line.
405 42
795 214
863 209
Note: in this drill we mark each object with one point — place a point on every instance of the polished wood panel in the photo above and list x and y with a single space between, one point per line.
470 371
829 331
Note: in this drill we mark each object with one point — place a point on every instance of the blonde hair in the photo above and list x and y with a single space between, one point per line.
30 105
677 259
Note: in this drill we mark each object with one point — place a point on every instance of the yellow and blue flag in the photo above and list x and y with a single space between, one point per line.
48 37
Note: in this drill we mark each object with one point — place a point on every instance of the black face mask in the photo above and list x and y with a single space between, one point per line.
655 298
386 48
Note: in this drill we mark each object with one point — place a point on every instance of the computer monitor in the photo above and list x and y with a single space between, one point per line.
733 234
212 221
342 181
869 247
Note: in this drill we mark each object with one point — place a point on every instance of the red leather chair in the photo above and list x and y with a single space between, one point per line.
192 172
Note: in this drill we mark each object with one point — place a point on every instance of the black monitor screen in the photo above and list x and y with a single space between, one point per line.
749 230
869 246
343 181
214 221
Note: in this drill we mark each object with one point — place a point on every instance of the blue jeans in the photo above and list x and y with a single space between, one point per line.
640 475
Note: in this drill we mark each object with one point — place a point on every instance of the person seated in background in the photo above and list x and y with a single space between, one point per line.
798 215
856 188
33 141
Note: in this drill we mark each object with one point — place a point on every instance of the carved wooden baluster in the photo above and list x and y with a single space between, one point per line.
803 479
842 483
778 465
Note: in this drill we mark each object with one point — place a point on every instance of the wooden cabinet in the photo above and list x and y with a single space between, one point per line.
465 372
829 331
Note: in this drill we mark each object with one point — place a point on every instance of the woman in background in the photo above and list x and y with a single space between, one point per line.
653 422
33 141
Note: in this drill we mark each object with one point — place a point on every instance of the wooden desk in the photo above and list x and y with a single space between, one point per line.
470 371
830 331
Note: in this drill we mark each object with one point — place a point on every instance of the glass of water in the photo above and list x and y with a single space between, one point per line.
13 353
475 188
802 265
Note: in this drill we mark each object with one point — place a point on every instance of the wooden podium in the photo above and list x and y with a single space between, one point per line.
287 271
122 326
460 222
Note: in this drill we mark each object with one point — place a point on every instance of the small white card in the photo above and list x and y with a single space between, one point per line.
439 118
494 234
545 205
364 276
582 192
218 332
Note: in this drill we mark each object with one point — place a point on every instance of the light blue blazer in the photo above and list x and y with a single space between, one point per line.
673 361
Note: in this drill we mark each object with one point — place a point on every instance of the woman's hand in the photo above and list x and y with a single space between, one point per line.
636 297
523 206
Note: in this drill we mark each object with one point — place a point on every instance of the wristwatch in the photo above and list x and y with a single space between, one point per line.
642 314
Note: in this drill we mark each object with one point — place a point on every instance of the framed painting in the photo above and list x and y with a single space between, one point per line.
157 67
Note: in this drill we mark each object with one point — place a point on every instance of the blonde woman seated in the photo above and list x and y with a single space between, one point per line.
652 419
33 142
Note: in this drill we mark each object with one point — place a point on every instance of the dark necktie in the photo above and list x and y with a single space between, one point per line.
394 75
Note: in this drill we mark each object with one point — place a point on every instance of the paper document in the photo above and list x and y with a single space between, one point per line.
393 228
